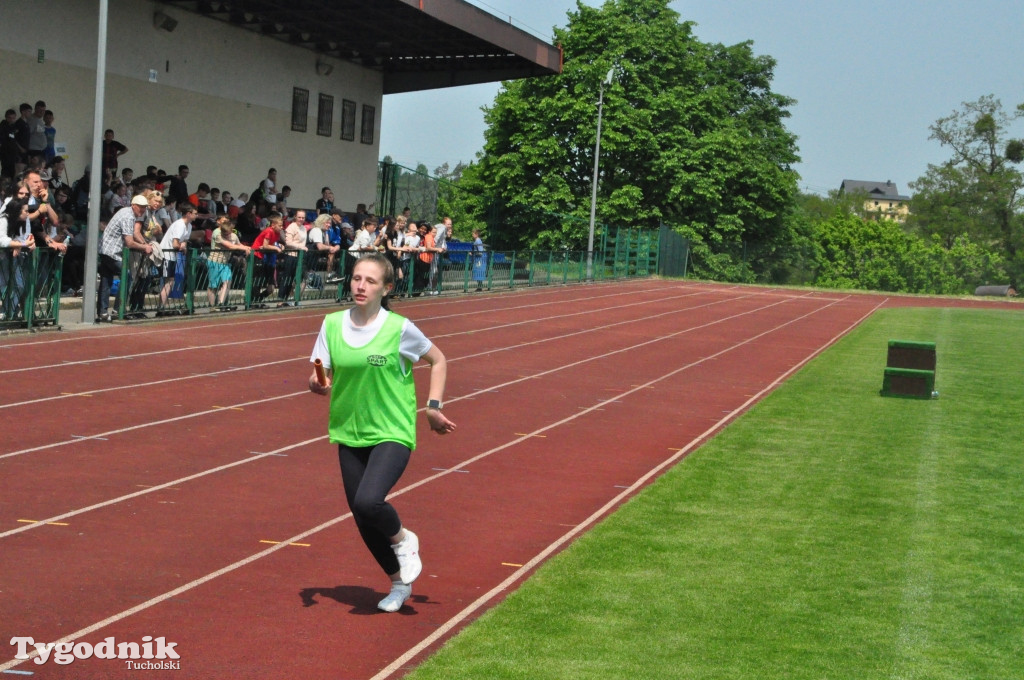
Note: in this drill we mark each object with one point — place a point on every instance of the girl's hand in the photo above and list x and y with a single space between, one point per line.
316 388
439 423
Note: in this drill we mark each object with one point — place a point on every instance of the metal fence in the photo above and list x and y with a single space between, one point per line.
29 287
211 281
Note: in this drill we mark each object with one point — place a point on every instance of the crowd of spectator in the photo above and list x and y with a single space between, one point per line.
161 222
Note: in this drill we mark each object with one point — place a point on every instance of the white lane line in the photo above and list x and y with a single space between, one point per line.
331 522
471 395
116 357
160 487
89 393
152 423
422 366
319 311
283 361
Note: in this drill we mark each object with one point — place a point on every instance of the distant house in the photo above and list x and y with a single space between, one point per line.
883 199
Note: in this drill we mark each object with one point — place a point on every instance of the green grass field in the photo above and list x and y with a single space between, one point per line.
829 533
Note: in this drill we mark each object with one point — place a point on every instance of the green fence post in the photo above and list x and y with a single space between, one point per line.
622 260
512 271
631 252
465 271
299 279
28 307
250 263
190 280
122 288
657 255
53 294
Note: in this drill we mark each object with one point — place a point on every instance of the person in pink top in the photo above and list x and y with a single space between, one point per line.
294 245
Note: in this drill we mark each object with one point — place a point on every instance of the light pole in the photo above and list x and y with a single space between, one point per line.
597 157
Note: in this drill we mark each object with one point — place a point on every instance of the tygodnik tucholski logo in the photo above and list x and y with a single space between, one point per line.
152 653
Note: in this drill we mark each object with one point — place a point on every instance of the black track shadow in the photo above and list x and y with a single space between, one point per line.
362 600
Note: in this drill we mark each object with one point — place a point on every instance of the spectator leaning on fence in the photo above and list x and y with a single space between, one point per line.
294 245
319 240
224 242
267 247
175 244
16 235
410 247
42 217
119 234
427 263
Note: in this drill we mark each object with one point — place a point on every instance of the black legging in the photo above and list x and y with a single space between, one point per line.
368 474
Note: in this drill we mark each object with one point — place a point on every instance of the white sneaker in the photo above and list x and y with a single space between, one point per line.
408 553
400 592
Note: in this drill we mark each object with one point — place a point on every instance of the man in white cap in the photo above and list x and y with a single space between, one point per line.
119 234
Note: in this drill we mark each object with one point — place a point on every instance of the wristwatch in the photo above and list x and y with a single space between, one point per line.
434 404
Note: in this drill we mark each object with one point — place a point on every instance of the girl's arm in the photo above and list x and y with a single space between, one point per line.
439 423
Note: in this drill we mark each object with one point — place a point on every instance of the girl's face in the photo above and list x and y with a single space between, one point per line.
368 288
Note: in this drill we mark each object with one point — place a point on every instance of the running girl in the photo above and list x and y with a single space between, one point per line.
369 353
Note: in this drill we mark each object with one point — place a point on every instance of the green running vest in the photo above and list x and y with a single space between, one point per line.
372 400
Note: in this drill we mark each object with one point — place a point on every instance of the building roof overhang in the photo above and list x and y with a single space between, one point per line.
415 44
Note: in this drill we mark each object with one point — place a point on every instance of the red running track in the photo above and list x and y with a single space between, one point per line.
174 480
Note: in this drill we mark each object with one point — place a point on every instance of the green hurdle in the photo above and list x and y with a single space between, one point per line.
910 370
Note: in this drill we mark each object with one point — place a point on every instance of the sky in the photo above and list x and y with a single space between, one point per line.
868 78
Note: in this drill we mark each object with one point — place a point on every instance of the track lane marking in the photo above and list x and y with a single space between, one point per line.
159 487
130 386
291 319
582 409
420 367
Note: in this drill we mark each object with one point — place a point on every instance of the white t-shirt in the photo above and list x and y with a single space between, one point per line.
412 345
179 230
315 235
411 242
363 241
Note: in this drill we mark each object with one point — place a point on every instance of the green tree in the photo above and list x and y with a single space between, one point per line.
853 252
456 201
692 135
977 192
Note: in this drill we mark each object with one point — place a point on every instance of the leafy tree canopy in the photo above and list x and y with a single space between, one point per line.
977 192
692 135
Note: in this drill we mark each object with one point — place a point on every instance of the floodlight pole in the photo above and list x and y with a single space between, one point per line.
597 158
92 242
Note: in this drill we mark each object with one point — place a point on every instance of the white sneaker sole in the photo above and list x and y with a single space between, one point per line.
395 599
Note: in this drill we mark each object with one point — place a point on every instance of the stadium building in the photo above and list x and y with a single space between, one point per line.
231 88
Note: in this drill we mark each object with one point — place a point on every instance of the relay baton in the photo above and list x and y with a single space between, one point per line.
321 377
